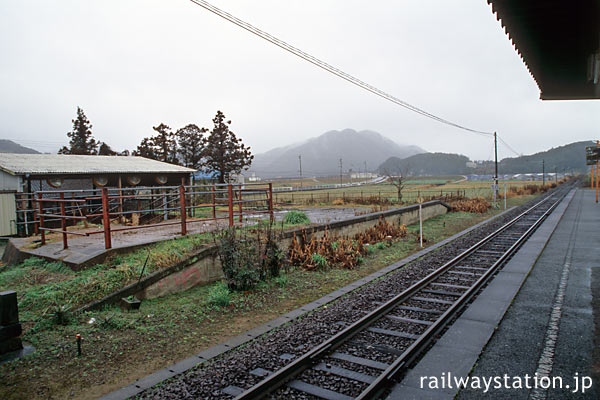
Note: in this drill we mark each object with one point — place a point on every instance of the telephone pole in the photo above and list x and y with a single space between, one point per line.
365 170
543 174
340 171
300 161
495 168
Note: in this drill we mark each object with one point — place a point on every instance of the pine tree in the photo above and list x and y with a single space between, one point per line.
223 152
165 144
81 139
106 150
190 140
146 149
161 147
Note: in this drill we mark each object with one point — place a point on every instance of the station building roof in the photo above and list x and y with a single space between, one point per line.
63 164
559 42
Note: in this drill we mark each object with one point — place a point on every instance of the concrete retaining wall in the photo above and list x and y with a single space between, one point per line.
204 266
208 268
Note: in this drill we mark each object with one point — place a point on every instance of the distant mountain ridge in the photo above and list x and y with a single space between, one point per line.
321 155
8 146
426 164
567 158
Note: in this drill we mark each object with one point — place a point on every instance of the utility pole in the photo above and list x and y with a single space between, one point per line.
340 171
597 168
495 168
555 176
365 170
300 161
543 174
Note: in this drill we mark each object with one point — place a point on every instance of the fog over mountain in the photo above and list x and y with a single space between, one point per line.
321 155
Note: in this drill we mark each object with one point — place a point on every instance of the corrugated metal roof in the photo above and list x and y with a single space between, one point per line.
54 164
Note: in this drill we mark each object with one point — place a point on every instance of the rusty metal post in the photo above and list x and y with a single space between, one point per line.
41 212
230 201
183 213
271 218
240 201
106 219
63 220
214 201
121 216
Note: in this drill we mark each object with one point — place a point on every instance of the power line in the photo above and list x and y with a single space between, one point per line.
327 67
508 147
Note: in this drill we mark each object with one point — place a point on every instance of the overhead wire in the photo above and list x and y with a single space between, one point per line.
329 68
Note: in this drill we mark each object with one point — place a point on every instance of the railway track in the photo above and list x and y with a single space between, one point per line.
357 345
362 359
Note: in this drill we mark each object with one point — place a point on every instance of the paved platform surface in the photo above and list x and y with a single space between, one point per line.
536 316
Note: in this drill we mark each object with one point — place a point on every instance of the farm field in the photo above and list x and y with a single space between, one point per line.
425 188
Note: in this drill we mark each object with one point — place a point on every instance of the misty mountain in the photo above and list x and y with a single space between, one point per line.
8 146
426 164
321 155
570 157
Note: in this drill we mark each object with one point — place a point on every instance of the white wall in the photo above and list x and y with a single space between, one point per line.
9 182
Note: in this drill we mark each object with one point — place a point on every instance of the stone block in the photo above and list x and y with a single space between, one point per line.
9 311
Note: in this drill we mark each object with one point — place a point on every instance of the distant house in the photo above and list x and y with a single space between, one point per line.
28 173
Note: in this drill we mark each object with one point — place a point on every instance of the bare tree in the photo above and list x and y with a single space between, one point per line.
397 178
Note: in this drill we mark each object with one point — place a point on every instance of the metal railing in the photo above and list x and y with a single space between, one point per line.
142 207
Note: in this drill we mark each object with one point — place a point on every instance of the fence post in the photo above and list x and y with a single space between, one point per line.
183 211
230 201
328 197
240 201
214 201
106 219
271 202
63 220
41 216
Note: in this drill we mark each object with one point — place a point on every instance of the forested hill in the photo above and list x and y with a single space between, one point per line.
427 164
570 157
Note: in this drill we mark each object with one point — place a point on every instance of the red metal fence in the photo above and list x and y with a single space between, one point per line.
143 207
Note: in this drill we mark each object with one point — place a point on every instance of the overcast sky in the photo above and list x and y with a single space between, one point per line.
134 64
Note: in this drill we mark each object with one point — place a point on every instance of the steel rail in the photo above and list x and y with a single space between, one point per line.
416 348
283 375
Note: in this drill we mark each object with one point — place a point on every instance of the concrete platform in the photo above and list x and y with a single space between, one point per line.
536 316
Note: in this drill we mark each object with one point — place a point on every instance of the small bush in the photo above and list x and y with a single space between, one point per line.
246 261
296 218
281 280
219 295
319 260
380 245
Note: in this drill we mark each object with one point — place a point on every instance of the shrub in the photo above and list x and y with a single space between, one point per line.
219 295
246 261
319 260
475 205
238 261
380 245
294 217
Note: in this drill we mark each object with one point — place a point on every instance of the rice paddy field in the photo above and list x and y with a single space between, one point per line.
421 188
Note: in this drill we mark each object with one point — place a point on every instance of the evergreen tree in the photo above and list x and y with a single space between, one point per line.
165 145
161 147
105 150
223 152
146 149
190 141
81 140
